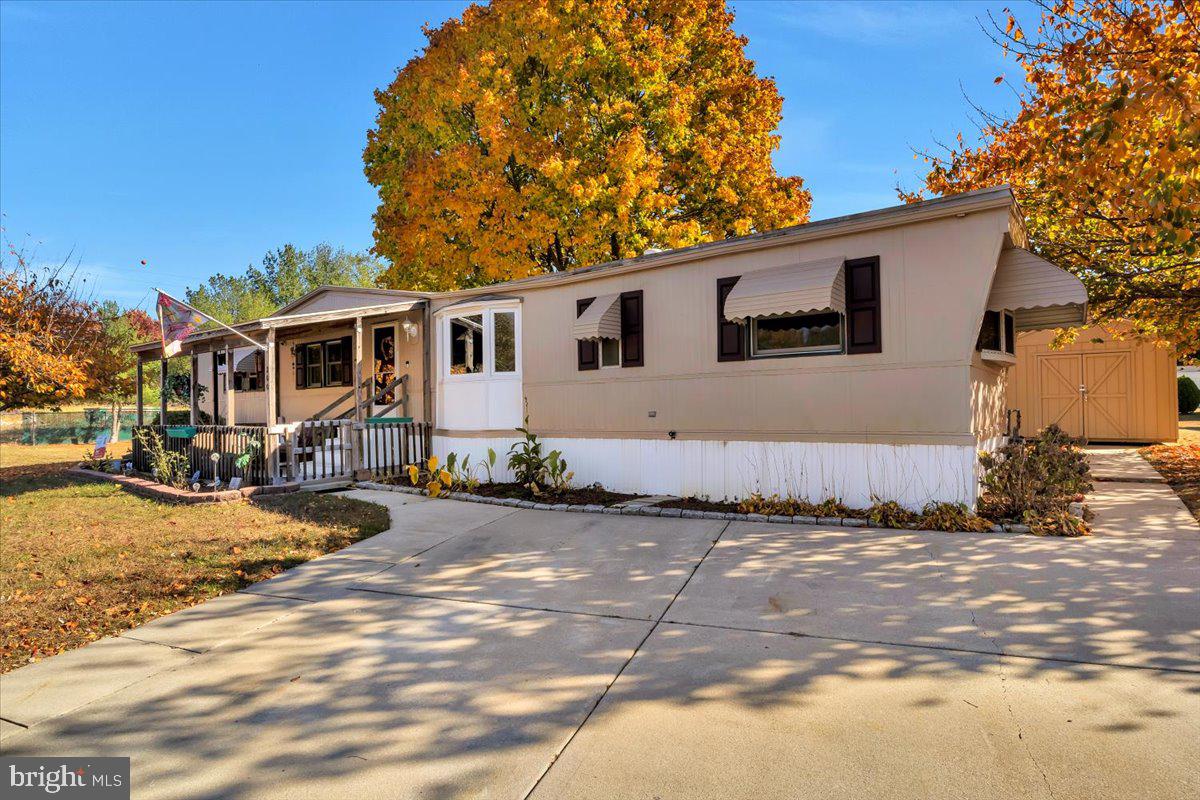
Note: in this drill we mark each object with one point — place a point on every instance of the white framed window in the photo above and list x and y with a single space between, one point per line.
610 353
796 334
481 342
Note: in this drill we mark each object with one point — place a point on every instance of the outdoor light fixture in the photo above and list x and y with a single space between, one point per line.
410 330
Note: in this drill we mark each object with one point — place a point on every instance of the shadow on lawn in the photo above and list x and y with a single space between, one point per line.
371 690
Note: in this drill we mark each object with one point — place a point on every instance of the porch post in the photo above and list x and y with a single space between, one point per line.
230 399
162 391
271 381
358 369
194 408
216 394
357 437
141 418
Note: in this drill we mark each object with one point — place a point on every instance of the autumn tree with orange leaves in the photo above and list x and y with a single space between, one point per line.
535 136
1103 154
47 334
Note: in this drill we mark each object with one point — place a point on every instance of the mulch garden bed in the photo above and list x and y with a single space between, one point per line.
696 504
580 495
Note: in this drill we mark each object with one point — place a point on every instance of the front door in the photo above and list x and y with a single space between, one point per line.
384 339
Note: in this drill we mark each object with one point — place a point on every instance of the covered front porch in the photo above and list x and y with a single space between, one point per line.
330 389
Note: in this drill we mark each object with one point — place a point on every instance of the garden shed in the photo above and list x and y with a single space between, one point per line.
1099 388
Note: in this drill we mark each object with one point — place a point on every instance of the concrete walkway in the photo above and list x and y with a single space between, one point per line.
483 651
1132 500
1120 463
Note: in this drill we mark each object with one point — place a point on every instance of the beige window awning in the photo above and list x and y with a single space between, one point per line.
1040 294
248 362
790 289
600 320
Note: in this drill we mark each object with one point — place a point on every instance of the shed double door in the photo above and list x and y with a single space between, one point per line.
1085 394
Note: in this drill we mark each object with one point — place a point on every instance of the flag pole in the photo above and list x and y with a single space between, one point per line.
259 345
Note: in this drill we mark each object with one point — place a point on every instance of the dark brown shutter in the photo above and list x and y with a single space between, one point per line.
1010 335
589 349
731 336
863 300
632 340
347 362
301 367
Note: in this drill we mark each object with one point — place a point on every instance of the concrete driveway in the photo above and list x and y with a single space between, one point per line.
482 651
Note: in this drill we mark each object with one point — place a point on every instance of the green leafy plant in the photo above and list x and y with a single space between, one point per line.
489 464
951 517
252 449
525 458
167 466
90 461
462 474
1189 395
1042 474
555 478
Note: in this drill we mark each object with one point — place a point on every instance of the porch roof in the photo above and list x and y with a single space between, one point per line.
280 321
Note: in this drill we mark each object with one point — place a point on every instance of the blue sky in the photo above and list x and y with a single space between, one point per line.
199 136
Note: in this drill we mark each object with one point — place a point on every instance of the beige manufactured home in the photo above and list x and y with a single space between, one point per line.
859 357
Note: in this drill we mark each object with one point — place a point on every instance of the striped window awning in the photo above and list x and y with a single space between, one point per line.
600 320
1040 294
790 289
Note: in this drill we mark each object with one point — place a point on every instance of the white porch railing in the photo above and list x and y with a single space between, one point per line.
334 450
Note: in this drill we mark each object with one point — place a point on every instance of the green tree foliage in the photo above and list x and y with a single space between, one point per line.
1189 395
286 274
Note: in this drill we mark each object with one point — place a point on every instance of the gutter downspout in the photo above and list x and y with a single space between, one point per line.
427 378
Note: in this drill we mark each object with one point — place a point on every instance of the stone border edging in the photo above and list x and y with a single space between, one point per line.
657 511
158 491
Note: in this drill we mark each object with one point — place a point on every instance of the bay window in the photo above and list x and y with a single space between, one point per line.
481 342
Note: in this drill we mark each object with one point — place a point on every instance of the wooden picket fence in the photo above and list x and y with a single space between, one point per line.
228 441
311 451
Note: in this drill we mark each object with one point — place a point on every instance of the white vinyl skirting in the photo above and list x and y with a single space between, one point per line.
857 474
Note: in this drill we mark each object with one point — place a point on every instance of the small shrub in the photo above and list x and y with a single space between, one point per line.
776 506
90 461
252 449
951 517
1189 395
462 474
539 473
525 458
555 478
1042 474
832 507
168 467
890 514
